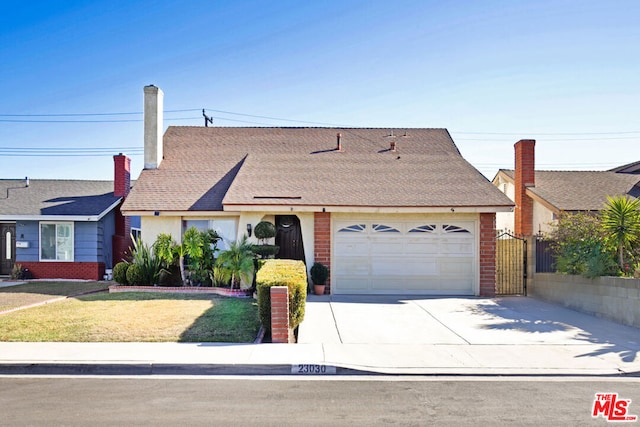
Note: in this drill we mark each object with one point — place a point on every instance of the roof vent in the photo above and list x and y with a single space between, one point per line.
338 142
393 146
26 181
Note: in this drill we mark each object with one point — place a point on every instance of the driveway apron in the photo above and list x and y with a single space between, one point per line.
458 321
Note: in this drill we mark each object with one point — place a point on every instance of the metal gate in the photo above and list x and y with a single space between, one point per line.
511 264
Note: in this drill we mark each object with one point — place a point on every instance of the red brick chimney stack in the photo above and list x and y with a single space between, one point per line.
121 239
525 176
121 175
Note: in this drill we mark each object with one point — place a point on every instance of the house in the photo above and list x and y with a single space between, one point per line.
389 212
69 229
540 196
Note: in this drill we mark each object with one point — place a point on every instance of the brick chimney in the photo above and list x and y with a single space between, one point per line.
153 108
121 239
525 176
121 175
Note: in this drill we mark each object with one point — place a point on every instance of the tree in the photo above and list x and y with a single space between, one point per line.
578 240
621 223
191 246
237 262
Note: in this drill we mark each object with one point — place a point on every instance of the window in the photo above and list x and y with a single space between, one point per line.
380 228
356 228
136 234
56 241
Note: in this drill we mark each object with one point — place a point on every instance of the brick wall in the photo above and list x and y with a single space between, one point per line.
487 254
525 176
322 242
65 270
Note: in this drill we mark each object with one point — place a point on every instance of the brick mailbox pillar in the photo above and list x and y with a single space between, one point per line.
279 314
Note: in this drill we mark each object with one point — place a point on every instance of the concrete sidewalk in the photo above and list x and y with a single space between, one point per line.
509 337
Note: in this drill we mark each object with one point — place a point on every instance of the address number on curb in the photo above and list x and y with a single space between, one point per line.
310 369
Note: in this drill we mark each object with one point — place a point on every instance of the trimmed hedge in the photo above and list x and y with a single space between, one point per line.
120 273
135 275
282 272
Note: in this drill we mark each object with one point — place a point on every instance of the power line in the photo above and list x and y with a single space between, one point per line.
93 114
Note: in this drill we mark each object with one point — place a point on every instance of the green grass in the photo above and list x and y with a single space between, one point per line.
135 317
35 292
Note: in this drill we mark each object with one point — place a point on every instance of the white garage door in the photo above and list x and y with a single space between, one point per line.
404 257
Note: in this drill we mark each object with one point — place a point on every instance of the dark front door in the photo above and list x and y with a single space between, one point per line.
289 237
8 250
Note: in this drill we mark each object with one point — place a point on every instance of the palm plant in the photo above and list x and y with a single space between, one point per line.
191 246
237 262
621 222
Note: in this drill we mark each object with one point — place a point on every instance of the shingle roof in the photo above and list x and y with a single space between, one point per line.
581 190
55 197
633 167
206 168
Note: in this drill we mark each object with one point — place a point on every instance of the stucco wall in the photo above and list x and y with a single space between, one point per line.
152 226
613 298
542 217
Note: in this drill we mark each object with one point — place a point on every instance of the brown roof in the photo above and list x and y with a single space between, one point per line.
581 190
206 168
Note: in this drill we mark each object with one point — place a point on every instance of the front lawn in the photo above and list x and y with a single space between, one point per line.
35 292
136 317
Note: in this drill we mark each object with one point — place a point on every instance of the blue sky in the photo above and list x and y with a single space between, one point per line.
566 73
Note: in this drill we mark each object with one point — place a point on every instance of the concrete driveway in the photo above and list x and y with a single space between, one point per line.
457 321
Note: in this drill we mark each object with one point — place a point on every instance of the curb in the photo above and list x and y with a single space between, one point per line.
174 369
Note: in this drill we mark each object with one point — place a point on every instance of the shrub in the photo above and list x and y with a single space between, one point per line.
135 275
120 273
265 251
282 272
319 273
16 271
264 230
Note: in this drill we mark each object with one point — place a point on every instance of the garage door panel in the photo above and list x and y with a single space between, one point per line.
457 266
350 248
426 247
350 266
456 248
350 284
392 257
399 267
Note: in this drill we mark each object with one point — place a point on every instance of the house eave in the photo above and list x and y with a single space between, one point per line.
368 209
79 218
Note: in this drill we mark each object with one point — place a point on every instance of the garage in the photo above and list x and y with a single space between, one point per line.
390 256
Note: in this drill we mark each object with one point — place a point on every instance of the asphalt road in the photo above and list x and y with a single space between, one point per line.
223 401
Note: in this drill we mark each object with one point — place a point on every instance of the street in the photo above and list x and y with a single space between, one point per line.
366 400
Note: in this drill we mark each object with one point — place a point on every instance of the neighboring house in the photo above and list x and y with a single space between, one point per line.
68 229
540 196
388 212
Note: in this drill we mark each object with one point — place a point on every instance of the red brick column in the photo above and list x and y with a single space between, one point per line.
322 242
487 254
279 314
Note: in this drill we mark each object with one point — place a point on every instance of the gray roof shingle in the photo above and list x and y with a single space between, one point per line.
206 168
55 197
581 190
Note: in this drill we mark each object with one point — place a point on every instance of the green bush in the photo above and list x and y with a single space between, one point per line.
135 275
265 251
120 273
282 272
319 273
264 230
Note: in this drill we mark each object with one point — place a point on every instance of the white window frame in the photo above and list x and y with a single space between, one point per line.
72 237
